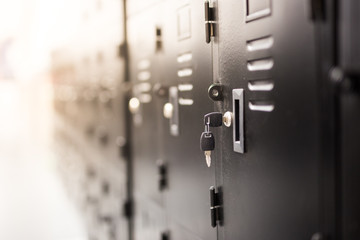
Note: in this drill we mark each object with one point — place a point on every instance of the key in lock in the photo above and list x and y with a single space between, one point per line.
207 144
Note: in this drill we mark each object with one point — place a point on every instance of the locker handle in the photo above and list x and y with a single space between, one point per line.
238 111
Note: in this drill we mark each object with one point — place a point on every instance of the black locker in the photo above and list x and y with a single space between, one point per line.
188 72
324 18
146 108
171 44
271 191
348 131
349 166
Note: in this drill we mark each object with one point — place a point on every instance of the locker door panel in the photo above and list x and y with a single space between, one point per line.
146 125
349 117
348 129
271 190
188 68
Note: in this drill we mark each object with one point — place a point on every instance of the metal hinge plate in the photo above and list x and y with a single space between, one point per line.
128 209
209 21
162 168
215 207
123 48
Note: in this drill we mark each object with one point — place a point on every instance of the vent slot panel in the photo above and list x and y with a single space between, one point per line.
261 106
260 71
260 64
185 72
261 85
185 57
260 44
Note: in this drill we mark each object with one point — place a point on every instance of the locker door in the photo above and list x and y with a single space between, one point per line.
188 73
149 218
349 119
349 127
271 191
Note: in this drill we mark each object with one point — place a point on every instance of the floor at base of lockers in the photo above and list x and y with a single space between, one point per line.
33 202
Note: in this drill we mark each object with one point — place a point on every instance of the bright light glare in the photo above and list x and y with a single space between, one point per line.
36 28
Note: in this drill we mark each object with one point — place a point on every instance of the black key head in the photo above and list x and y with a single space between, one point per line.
207 141
214 119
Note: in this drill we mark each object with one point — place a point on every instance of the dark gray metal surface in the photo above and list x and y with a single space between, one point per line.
272 190
326 60
149 218
350 165
349 35
348 130
184 201
187 197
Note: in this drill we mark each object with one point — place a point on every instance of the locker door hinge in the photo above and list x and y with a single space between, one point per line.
124 149
215 207
162 168
317 8
165 235
209 21
128 209
123 50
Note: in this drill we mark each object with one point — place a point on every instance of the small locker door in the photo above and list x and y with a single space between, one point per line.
188 74
148 219
349 119
267 162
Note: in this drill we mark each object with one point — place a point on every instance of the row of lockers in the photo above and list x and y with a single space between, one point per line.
89 122
131 93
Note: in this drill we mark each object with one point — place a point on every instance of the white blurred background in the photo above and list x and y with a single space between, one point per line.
33 202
